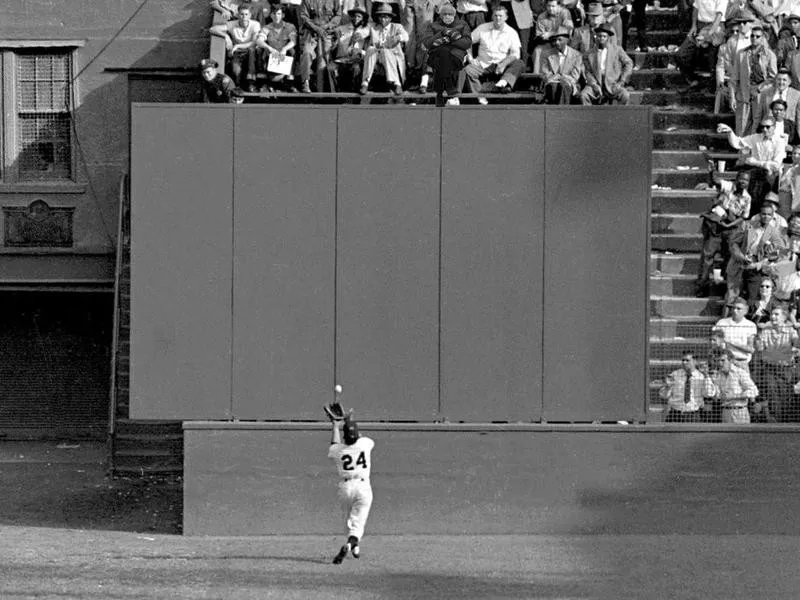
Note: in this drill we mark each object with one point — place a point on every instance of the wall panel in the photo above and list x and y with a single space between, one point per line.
596 263
181 252
492 261
388 262
284 224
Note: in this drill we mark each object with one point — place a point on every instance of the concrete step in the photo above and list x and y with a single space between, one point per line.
672 285
680 223
659 20
681 201
666 37
653 59
676 242
669 306
686 118
656 79
677 178
670 327
674 264
698 100
689 139
672 349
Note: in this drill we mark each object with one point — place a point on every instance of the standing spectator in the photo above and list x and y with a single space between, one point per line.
319 19
708 17
498 57
760 309
612 11
554 18
735 334
789 44
350 38
684 390
766 13
607 69
291 10
277 39
762 153
384 48
562 67
217 87
448 40
779 90
789 185
778 222
738 26
753 251
728 213
638 8
753 69
734 388
240 42
228 9
777 344
785 129
473 12
583 37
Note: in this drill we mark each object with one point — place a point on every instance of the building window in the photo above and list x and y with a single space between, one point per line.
37 101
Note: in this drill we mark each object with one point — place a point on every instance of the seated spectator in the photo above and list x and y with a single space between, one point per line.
779 90
473 12
583 37
734 389
753 252
702 42
554 18
785 129
240 42
727 214
384 48
400 14
777 344
348 53
684 390
607 69
521 18
419 14
760 308
319 19
498 57
738 27
736 334
789 185
562 67
762 153
217 87
447 40
229 9
778 222
276 40
753 69
790 43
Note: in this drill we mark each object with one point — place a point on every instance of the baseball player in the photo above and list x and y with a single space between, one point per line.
352 455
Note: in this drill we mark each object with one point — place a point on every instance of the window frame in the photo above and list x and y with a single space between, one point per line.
9 150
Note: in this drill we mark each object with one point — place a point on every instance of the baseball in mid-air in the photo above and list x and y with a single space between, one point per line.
337 388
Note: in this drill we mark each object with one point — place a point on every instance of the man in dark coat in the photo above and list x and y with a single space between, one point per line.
217 87
447 40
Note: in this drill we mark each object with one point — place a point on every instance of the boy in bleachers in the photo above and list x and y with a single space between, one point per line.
276 40
240 42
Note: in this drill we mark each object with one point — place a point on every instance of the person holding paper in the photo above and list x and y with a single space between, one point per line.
276 42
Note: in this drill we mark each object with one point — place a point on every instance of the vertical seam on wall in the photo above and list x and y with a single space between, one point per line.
439 316
335 249
233 256
544 261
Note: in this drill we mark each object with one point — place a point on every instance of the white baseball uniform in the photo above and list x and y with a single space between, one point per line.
353 464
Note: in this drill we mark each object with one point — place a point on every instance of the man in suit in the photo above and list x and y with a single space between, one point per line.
583 37
738 27
607 69
753 69
784 128
561 70
788 44
779 90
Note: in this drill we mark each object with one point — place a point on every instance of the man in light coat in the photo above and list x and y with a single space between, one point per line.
561 69
779 90
607 69
746 83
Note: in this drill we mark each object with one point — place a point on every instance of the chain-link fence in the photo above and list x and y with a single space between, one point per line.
732 370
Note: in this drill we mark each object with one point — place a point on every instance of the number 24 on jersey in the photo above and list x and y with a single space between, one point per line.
347 462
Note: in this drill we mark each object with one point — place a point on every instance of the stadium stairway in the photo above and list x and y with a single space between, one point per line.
684 138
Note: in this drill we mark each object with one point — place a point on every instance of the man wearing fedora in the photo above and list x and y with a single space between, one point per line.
562 67
789 41
217 87
447 41
384 47
738 26
498 57
752 70
607 69
583 39
554 18
349 40
319 19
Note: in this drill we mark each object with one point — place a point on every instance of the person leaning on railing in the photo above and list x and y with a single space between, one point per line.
777 344
734 389
685 389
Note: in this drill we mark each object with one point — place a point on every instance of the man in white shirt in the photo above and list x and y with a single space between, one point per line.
684 390
240 41
735 334
498 57
708 16
789 185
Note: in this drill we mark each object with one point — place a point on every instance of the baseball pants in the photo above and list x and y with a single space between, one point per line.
356 498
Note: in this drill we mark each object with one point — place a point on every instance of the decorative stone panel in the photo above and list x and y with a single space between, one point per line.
38 225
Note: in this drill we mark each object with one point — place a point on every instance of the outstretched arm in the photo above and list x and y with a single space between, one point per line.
336 433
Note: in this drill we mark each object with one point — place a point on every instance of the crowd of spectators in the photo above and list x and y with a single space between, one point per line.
573 49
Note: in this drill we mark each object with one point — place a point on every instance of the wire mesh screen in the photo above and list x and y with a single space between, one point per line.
729 371
43 125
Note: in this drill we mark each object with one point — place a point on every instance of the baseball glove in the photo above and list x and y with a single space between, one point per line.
335 411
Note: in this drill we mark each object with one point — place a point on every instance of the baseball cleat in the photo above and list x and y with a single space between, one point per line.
337 560
356 552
